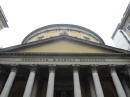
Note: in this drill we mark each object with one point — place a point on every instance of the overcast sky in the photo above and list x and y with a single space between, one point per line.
24 16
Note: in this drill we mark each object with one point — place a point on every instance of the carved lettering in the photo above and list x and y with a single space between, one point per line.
63 60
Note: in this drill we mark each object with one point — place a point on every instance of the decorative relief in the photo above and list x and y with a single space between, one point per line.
63 60
56 32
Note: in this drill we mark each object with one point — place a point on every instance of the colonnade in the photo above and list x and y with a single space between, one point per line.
95 85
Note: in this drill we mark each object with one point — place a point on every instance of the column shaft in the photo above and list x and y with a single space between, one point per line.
92 88
51 79
117 83
97 84
128 70
29 85
126 88
35 88
6 90
77 89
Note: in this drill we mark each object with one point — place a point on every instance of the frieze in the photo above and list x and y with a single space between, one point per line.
63 60
68 60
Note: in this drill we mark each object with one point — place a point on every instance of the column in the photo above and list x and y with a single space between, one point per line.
3 79
128 70
97 84
77 89
126 88
92 88
35 88
117 83
51 79
29 85
6 90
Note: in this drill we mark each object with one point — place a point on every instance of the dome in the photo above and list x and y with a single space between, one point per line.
62 29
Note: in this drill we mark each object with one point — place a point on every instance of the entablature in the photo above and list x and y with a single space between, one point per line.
65 60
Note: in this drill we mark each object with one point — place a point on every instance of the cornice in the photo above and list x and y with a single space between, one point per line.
63 37
61 54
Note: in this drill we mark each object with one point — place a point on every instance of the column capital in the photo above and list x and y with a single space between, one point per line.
14 69
52 65
76 66
33 69
94 67
112 65
52 68
112 68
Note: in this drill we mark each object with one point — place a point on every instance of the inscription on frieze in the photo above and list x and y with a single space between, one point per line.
63 60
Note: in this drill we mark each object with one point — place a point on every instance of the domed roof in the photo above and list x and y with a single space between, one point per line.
62 29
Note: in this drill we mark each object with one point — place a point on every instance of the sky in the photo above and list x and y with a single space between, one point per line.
24 16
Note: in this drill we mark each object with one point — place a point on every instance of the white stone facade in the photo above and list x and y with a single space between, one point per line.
121 40
121 36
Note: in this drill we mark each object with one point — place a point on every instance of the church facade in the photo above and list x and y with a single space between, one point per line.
64 60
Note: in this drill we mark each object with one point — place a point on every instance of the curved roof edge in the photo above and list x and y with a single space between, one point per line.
63 25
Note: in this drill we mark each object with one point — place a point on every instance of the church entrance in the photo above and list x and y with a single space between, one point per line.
63 94
64 83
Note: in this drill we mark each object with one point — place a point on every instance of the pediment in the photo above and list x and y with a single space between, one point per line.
65 46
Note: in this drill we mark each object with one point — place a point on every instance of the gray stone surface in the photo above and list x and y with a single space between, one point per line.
29 85
126 88
92 88
6 90
77 89
34 89
117 83
97 84
51 80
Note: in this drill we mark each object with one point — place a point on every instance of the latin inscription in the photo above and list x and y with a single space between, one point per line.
63 60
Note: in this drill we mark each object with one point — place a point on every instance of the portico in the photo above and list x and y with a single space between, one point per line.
65 65
73 79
